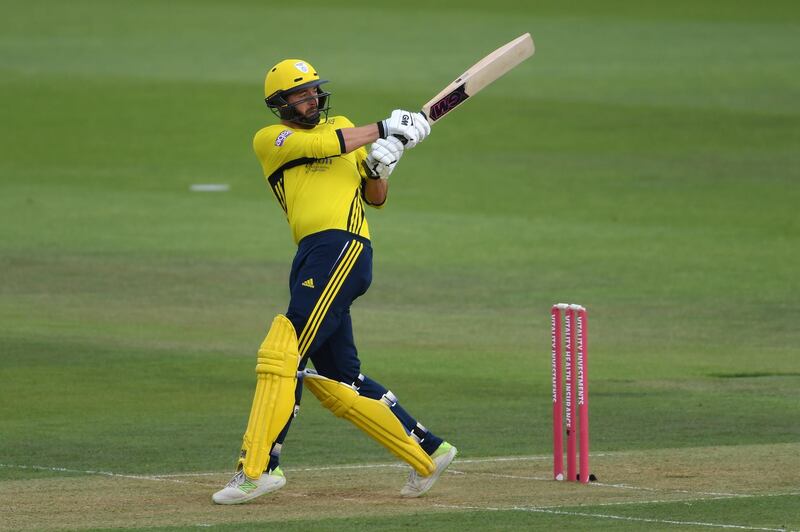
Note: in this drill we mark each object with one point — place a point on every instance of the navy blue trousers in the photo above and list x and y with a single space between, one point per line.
331 270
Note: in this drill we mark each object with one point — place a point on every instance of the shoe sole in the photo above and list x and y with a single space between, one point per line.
451 454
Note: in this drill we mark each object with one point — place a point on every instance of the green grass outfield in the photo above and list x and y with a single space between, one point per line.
644 163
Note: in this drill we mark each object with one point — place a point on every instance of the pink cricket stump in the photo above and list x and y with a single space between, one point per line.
583 393
569 362
558 409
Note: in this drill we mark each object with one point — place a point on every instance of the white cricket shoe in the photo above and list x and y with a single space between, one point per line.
417 485
241 488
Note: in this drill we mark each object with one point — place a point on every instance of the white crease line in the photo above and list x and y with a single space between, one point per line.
206 474
92 472
640 488
685 499
601 484
500 459
290 470
520 458
369 466
609 516
322 468
347 466
497 475
691 499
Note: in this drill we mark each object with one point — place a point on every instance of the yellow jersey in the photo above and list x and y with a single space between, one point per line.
317 186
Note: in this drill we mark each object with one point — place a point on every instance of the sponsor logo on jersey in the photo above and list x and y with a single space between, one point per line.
282 137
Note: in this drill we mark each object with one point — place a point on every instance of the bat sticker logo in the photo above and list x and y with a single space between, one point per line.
448 103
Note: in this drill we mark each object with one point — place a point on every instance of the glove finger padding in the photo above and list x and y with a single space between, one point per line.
387 151
393 144
383 156
422 126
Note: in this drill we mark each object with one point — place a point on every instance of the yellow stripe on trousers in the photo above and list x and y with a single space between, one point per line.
325 300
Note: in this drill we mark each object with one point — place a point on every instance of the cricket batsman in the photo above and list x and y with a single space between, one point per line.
323 176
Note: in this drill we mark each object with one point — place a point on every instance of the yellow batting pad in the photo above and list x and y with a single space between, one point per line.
371 416
273 404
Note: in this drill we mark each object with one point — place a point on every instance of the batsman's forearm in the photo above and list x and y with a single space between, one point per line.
355 137
376 191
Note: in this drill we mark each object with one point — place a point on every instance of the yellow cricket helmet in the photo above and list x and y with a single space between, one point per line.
288 76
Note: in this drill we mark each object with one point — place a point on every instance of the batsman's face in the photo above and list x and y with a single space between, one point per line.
305 101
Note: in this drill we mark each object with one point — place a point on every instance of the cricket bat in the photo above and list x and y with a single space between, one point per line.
478 76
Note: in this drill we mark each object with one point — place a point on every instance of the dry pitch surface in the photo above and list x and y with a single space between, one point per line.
109 499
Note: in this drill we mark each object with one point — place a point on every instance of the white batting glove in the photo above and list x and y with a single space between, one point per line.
383 157
401 124
422 125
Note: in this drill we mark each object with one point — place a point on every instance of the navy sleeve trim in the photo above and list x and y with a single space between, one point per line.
341 140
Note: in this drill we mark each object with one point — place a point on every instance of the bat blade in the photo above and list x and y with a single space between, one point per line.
478 76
